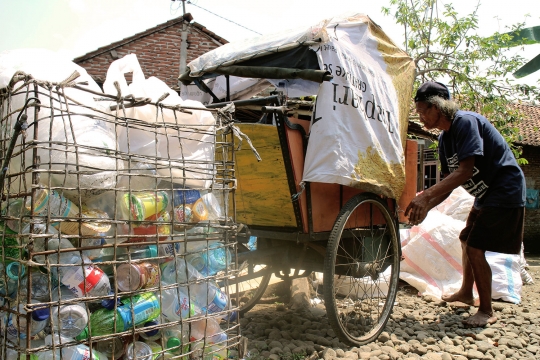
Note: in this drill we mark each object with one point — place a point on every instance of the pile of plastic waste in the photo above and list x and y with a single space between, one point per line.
111 249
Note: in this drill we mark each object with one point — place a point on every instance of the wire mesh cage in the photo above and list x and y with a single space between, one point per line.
118 240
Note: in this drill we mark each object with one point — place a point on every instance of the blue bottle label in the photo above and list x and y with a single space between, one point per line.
218 303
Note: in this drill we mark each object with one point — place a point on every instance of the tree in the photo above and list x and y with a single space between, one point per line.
447 48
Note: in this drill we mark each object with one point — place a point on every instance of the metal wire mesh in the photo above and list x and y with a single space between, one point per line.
116 226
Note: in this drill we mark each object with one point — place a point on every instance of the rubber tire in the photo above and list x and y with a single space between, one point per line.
340 329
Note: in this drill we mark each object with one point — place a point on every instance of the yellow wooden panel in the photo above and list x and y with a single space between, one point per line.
263 197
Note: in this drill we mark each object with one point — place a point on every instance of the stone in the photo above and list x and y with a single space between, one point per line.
515 343
384 337
483 346
364 355
419 349
328 353
474 354
432 356
404 348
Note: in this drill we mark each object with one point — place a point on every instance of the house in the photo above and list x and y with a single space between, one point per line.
529 130
157 49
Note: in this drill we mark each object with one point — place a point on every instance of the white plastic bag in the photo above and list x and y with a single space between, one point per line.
187 155
63 119
505 270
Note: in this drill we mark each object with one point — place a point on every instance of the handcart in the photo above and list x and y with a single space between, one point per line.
349 232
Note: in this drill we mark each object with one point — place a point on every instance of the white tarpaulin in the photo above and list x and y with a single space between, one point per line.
360 121
357 129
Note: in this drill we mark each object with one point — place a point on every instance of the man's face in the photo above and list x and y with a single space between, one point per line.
430 116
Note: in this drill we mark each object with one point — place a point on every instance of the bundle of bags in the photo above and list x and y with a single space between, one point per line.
81 143
432 254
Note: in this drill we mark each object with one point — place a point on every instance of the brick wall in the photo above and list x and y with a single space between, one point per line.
532 216
157 52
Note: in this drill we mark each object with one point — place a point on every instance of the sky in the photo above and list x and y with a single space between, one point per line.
75 27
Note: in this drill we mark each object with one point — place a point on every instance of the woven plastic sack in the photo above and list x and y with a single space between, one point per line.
432 254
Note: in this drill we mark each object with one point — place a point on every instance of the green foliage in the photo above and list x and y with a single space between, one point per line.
446 47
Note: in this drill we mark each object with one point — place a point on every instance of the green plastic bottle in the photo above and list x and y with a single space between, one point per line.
145 308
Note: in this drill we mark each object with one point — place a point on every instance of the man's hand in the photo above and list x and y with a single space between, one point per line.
420 205
418 209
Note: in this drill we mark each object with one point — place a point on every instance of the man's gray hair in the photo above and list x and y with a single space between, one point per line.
447 107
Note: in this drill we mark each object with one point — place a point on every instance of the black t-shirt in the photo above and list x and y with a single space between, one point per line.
497 178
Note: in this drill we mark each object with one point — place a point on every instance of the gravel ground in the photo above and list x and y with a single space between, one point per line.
419 328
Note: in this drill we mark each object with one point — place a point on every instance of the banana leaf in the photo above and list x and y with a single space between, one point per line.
528 68
525 36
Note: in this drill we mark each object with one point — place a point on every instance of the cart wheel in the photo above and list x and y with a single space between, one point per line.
361 269
252 282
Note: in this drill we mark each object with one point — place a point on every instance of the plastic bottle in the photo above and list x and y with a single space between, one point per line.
212 348
176 304
176 339
157 350
91 281
151 335
72 352
15 326
68 320
206 294
185 196
252 243
40 241
40 285
213 206
16 214
145 307
205 328
9 245
12 354
139 351
14 272
92 254
46 200
124 254
208 258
